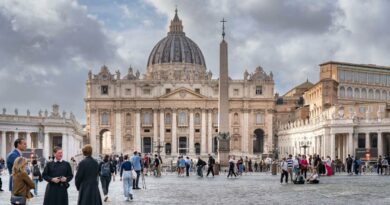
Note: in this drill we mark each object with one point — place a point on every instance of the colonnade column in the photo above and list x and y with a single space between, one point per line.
65 146
191 141
350 144
155 130
332 146
380 144
3 145
368 140
28 139
174 137
210 131
137 140
203 134
93 133
162 131
46 146
245 136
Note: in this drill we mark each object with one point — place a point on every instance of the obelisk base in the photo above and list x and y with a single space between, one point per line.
223 152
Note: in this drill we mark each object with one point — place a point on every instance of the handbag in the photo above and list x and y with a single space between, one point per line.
18 199
133 174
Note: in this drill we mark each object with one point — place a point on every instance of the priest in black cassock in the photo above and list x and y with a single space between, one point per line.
58 174
87 179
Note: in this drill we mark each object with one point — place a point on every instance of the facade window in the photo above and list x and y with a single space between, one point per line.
147 120
235 118
342 75
147 145
364 93
128 91
388 80
384 95
342 92
357 93
197 119
183 147
168 130
356 77
146 91
259 90
381 108
168 118
197 130
235 92
349 92
259 118
167 90
370 94
197 90
377 95
361 140
197 148
377 78
369 108
182 118
105 119
362 109
128 119
104 89
383 79
168 148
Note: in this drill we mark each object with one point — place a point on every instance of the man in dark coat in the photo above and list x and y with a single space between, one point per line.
58 174
87 179
20 146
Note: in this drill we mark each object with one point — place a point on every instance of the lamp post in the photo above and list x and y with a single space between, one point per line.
305 144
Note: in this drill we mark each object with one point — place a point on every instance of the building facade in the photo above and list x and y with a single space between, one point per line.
347 113
42 132
173 108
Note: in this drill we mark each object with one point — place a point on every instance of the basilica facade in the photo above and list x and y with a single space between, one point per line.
172 108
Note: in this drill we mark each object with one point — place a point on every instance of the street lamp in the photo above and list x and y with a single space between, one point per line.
305 144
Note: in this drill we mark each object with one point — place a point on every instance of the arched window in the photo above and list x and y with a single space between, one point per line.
364 93
349 92
259 118
235 118
147 120
128 119
182 118
105 119
377 95
183 145
197 119
342 92
168 118
146 145
168 148
370 94
197 148
384 95
357 93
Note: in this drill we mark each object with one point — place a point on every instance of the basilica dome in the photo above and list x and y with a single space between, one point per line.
176 56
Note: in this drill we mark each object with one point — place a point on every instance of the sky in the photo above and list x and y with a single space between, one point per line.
47 47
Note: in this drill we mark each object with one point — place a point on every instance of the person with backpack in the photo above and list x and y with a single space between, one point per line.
106 170
188 166
36 175
157 165
200 164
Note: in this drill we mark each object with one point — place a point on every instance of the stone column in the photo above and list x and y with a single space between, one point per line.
93 132
174 137
155 130
368 141
332 146
210 131
380 144
46 146
191 141
350 144
203 134
118 132
245 130
269 121
28 139
65 146
137 140
3 145
162 131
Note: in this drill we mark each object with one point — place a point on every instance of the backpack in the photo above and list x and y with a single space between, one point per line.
105 170
36 171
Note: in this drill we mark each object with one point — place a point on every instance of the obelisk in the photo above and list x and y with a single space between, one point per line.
223 102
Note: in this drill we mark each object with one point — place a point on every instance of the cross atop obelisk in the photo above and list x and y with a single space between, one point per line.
223 28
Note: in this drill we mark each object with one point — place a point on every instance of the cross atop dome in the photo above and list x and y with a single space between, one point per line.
176 26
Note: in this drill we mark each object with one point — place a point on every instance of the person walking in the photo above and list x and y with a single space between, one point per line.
182 165
379 163
20 146
385 164
2 167
188 166
106 170
157 165
58 174
87 179
136 162
126 176
231 168
211 164
199 165
284 170
36 175
22 184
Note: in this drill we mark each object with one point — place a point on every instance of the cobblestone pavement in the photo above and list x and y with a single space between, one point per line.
259 188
